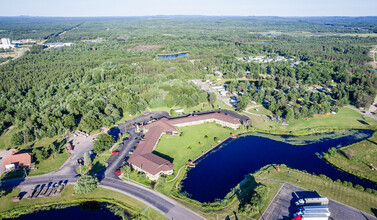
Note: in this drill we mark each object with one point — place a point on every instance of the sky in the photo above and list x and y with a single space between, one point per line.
90 8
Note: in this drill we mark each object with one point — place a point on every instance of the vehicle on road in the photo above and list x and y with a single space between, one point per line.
312 202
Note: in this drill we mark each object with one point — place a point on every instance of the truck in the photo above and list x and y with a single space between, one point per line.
315 212
50 189
311 217
312 202
44 190
37 191
313 208
60 188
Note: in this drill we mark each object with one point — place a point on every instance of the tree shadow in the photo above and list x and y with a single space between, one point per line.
371 141
166 157
374 211
363 122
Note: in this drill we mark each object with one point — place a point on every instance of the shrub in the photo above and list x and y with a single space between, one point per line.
86 184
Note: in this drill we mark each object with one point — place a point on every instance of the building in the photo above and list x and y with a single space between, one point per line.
57 45
153 166
6 43
17 160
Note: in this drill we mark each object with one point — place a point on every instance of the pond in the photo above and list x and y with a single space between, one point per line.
87 210
222 169
173 56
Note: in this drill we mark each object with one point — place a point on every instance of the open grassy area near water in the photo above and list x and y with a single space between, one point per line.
192 142
360 200
124 201
344 119
357 158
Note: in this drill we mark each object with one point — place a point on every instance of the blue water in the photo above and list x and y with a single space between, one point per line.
173 56
224 168
274 33
92 211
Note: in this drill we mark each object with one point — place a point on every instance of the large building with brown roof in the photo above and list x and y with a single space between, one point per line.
17 160
152 165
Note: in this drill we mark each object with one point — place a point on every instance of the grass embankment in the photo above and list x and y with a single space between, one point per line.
100 194
357 158
360 200
344 119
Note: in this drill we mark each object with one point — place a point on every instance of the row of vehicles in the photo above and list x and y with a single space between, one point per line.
46 190
312 209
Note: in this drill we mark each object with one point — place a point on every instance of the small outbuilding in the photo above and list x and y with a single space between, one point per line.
17 160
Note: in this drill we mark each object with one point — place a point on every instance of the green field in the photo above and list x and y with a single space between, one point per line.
191 143
51 164
360 200
124 201
362 155
344 119
261 110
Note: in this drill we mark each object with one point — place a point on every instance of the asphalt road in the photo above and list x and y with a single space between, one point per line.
283 207
110 180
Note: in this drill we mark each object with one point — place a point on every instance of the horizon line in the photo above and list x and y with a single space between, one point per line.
183 15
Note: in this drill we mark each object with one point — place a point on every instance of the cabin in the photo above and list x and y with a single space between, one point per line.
17 160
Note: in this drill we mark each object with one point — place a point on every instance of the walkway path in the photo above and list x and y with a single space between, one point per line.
366 113
251 107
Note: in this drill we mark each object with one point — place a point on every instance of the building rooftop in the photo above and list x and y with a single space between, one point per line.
18 159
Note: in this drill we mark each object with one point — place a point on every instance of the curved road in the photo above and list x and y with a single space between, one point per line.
109 179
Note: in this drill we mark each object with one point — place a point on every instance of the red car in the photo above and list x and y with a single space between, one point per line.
115 152
118 171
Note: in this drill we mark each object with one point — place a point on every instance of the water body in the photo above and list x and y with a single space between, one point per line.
225 167
273 33
87 210
173 56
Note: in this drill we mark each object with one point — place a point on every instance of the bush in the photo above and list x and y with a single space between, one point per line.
86 184
332 151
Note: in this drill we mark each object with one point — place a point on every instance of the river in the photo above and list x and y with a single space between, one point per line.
223 168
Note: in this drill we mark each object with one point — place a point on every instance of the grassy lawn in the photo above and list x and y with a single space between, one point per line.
51 164
364 154
344 119
360 200
68 194
261 110
192 142
98 164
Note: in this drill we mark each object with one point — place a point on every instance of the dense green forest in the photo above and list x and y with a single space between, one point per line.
102 77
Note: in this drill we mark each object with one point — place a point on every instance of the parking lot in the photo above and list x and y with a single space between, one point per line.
283 207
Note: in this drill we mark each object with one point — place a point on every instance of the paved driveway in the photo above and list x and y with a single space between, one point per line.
3 154
283 207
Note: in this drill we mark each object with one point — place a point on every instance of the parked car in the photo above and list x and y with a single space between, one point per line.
115 152
117 171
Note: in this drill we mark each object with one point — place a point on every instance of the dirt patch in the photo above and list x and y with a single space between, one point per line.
145 47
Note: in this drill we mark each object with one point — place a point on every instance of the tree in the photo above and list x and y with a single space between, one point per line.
242 103
103 142
17 138
69 122
87 160
290 114
211 98
86 184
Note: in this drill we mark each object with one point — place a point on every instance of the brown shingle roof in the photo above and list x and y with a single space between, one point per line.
19 159
151 163
220 116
